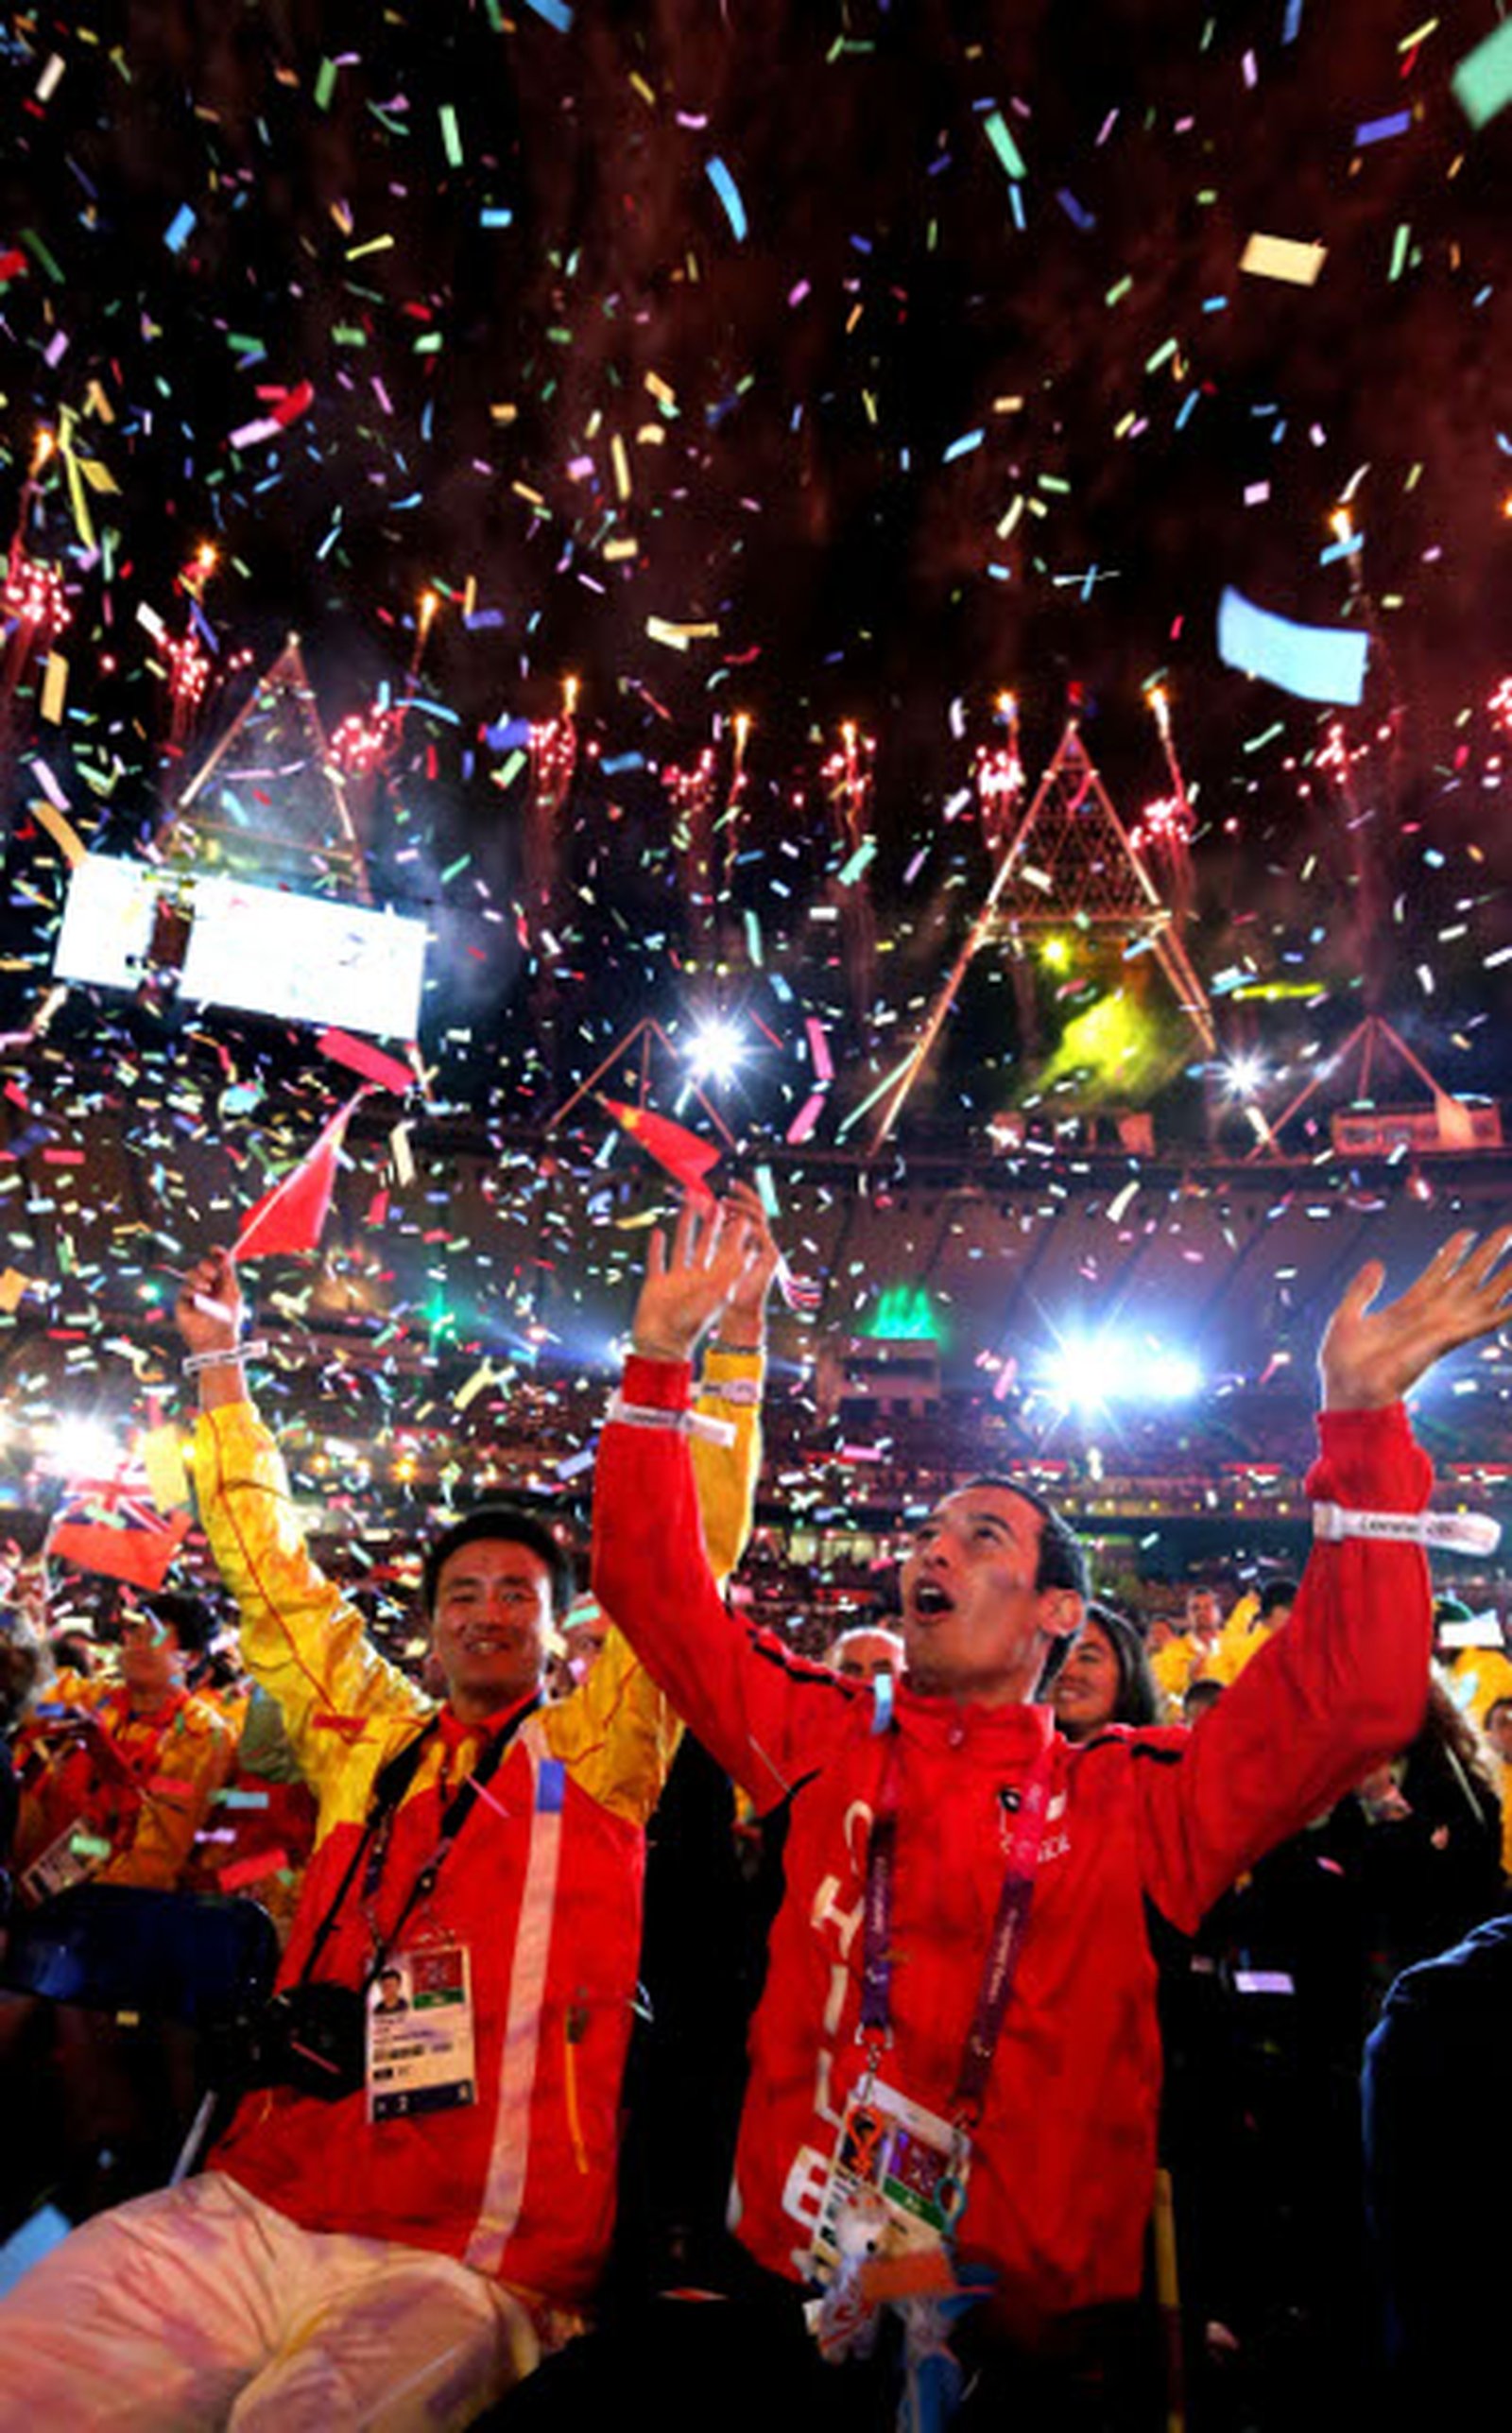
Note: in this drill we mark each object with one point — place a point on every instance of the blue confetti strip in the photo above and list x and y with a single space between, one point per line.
554 11
179 228
728 193
1377 130
963 446
1317 663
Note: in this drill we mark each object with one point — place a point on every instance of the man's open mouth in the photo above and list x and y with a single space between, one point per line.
930 1599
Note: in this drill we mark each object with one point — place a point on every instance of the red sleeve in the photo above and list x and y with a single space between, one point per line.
765 1714
1342 1686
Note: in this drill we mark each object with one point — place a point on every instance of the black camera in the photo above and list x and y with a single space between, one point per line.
312 2038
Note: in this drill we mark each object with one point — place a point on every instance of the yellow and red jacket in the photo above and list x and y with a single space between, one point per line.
543 1887
1063 2159
141 1783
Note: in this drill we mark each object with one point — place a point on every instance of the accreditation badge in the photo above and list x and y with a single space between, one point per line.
897 2166
72 1858
421 2053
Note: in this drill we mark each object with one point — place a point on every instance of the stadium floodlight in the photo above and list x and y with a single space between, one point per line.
79 1447
1244 1076
1082 1372
1088 1373
715 1051
1172 1377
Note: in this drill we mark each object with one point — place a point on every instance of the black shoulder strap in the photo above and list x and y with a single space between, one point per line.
390 1784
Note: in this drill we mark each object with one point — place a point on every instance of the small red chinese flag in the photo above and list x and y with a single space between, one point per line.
292 1216
682 1153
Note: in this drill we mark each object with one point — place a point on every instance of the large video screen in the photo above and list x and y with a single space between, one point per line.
251 949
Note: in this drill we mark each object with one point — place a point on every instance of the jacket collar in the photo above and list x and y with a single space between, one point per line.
1008 1735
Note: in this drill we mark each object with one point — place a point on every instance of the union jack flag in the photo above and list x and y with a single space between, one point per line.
112 1526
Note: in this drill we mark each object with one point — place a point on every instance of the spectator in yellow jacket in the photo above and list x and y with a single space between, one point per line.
117 1775
1188 1656
1253 1621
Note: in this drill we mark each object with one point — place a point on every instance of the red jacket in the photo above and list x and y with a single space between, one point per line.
144 1786
1064 2158
542 1886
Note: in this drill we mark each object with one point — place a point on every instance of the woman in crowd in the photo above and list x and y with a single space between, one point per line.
1105 1679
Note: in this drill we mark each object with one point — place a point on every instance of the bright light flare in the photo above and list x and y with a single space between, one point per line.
79 1447
1088 1373
714 1052
1244 1077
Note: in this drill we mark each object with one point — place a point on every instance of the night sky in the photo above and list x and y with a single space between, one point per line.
904 347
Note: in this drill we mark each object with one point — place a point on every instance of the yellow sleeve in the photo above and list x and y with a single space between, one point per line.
299 1638
84 1690
617 1733
1237 1641
1489 1674
192 1765
1171 1668
725 1475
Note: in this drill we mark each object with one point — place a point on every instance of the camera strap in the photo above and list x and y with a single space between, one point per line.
390 1784
454 1816
392 1781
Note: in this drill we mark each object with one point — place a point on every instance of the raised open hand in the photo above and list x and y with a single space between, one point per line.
1370 1357
683 1294
743 1324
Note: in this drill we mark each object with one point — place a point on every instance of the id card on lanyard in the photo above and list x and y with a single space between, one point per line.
72 1858
899 2170
421 2048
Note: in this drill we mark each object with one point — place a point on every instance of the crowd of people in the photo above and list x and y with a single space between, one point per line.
961 2021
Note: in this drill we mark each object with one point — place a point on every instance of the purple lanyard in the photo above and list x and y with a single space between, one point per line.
1004 1946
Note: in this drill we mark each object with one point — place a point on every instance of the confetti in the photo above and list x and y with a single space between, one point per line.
995 127
1481 83
725 187
61 830
1285 258
1316 662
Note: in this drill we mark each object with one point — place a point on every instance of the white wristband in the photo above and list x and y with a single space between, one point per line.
194 1362
1473 1533
680 1422
740 1392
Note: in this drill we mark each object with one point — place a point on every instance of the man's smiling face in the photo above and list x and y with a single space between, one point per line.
492 1624
974 1623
